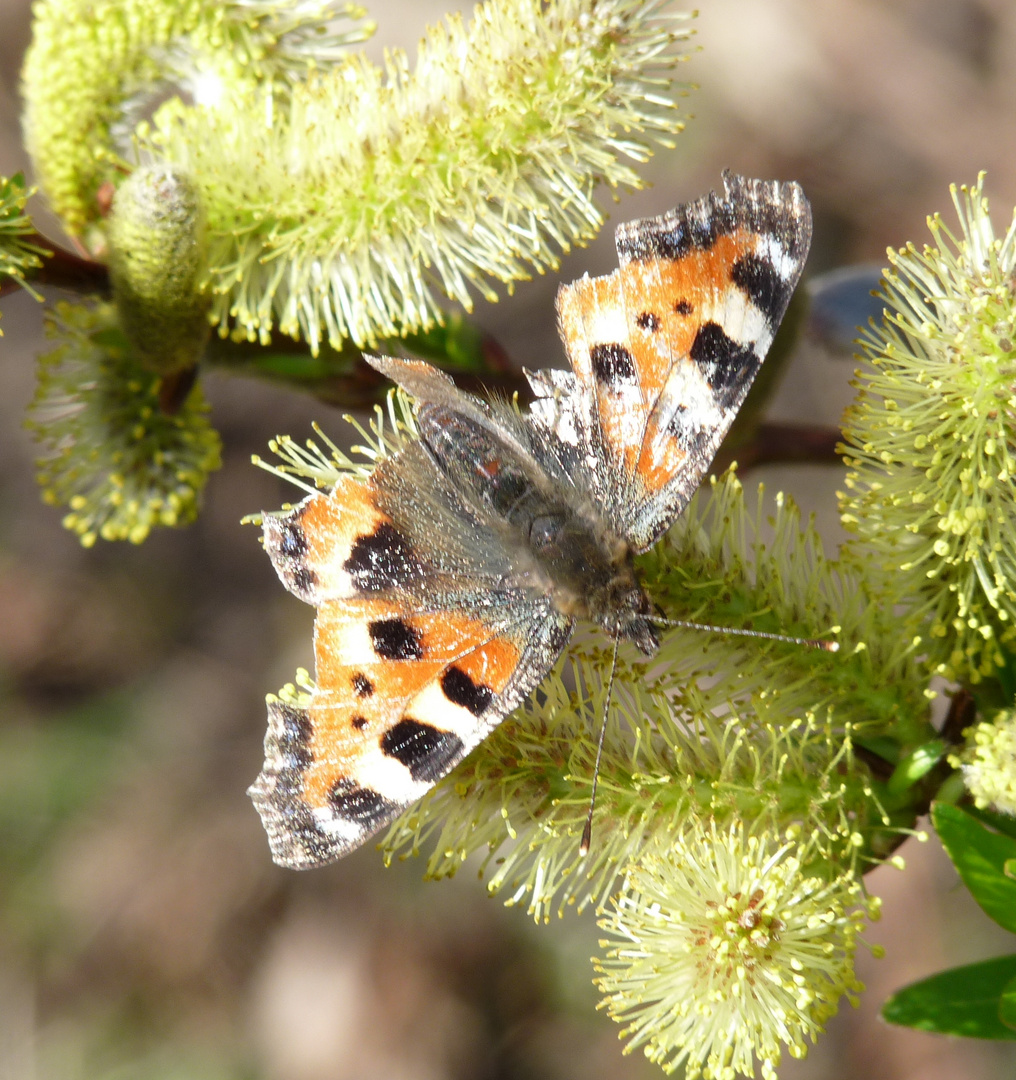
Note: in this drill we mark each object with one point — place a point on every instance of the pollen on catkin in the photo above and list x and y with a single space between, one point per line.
725 949
988 762
95 66
375 192
717 725
118 463
157 265
931 441
17 254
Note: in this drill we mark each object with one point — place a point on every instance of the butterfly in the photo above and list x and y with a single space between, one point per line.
448 581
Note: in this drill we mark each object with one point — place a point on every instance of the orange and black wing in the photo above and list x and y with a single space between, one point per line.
412 671
664 349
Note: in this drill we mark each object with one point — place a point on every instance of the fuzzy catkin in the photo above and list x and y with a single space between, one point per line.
156 264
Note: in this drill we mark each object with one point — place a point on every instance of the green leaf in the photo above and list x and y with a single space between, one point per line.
980 856
915 765
952 790
1003 823
962 1001
1007 1004
888 749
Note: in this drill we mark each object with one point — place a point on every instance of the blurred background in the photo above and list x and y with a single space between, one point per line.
144 931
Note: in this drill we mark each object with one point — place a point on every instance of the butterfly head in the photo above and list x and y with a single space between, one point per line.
630 614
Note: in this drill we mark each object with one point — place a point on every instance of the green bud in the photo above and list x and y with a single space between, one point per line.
156 263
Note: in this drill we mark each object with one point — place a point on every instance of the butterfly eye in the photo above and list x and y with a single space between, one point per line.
545 530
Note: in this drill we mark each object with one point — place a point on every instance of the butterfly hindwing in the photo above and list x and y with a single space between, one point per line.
400 700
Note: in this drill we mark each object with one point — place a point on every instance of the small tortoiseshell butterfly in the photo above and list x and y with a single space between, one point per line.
448 582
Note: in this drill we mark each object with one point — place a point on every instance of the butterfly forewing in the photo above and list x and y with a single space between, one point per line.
669 343
728 267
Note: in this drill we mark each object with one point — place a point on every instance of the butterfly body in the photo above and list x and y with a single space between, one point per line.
559 544
448 582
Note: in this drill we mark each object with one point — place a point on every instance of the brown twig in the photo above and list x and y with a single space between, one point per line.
961 714
880 768
175 389
340 378
61 269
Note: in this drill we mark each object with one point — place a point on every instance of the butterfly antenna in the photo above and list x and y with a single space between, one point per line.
810 643
587 832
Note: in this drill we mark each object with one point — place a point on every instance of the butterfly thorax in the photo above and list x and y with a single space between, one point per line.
590 574
560 544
